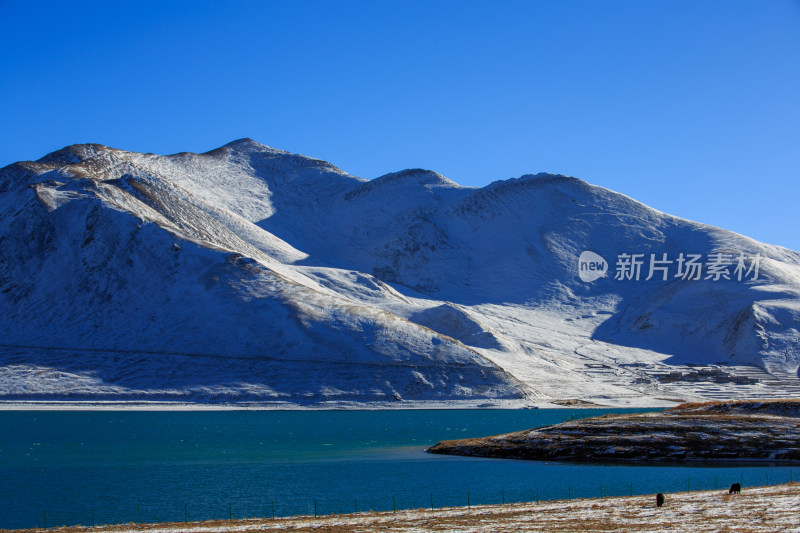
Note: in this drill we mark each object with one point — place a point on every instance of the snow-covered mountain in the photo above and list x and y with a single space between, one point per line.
249 274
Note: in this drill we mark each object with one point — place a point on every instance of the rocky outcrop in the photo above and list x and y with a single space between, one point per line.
731 431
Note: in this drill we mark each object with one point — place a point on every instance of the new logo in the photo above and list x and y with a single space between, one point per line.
591 266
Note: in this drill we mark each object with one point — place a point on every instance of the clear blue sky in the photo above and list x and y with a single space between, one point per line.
692 107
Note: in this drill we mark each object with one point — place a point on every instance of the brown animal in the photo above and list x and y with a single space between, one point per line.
736 488
659 499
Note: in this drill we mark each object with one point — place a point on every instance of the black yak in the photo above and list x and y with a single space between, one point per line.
736 488
659 499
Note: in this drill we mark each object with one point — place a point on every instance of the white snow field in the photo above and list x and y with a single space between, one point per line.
250 276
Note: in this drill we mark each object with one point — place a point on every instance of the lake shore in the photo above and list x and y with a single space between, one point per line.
762 509
748 430
89 405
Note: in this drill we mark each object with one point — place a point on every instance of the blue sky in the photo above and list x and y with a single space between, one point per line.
692 107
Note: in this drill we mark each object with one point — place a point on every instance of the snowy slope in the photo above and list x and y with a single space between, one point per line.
252 274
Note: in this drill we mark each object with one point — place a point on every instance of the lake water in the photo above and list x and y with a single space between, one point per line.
66 468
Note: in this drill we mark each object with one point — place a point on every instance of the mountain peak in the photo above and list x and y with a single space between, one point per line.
535 180
246 143
419 176
409 179
74 153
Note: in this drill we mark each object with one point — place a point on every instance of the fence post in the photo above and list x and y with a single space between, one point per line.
601 489
631 493
230 513
44 519
394 504
185 513
537 494
92 517
431 501
468 505
139 513
569 492
315 507
273 509
503 496
355 500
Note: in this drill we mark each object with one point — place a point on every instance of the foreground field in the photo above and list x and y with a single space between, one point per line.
759 509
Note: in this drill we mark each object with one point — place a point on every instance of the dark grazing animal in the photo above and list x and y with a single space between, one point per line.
736 488
659 499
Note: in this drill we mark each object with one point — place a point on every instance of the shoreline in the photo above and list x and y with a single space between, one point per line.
88 405
744 430
762 508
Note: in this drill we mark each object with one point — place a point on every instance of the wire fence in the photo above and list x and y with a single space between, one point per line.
301 505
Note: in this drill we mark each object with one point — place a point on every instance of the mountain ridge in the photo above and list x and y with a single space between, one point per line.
471 293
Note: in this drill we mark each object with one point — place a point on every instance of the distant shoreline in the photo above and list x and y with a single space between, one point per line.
49 405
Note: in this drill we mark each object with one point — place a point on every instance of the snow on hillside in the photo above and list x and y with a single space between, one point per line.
249 274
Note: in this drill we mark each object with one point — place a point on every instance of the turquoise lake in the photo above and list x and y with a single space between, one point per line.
69 467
